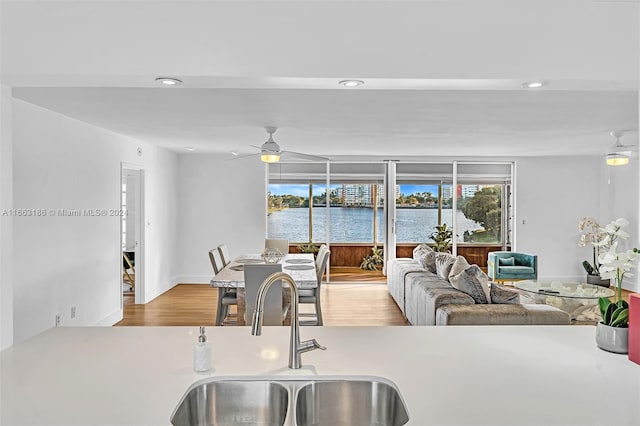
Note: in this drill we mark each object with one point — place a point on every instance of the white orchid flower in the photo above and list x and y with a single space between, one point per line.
621 222
604 242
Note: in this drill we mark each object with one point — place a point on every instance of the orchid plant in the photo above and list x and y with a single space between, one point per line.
615 266
592 233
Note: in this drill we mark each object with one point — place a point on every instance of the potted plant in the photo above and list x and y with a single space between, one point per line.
442 238
309 248
593 234
612 332
374 260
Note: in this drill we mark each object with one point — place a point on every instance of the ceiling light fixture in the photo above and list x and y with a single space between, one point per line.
169 81
190 148
351 83
617 159
270 157
533 84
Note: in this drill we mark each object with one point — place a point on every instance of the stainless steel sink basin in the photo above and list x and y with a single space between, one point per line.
292 400
350 403
233 402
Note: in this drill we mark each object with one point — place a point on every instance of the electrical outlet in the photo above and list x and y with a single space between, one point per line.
57 320
73 312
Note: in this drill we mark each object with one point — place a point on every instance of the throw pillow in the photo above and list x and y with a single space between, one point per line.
444 262
429 261
420 250
474 282
459 265
503 295
506 261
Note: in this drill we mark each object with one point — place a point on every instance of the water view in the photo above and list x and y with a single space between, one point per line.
355 225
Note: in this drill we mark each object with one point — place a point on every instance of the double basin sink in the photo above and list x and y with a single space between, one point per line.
317 401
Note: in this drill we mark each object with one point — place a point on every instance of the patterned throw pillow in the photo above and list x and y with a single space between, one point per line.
444 262
471 280
501 294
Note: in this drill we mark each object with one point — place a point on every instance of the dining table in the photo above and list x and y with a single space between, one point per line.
300 266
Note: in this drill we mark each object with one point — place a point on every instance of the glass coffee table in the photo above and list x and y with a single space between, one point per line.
580 300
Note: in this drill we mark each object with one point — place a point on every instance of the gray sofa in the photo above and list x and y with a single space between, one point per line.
427 299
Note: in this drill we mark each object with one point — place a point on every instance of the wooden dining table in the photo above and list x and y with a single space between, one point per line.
232 276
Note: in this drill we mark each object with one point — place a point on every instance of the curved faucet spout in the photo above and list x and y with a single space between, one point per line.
296 348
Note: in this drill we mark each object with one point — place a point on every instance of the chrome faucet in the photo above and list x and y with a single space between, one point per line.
296 347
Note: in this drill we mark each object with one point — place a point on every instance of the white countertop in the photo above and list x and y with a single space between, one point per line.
501 375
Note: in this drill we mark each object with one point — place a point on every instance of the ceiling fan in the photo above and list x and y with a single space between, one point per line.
619 154
270 151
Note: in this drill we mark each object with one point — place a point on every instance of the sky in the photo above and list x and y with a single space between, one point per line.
302 190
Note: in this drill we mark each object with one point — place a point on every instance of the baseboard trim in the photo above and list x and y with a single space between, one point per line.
110 319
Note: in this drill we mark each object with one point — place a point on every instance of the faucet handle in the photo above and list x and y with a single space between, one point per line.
310 345
317 345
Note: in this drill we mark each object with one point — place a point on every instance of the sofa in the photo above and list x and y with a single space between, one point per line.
442 289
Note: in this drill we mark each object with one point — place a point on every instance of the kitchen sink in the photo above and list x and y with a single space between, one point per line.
292 400
233 402
350 403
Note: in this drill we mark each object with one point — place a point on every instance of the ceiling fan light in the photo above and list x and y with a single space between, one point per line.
270 157
617 160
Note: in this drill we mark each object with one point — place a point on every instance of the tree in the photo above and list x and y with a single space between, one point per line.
484 207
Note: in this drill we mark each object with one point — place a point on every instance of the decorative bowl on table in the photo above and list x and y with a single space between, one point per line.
272 255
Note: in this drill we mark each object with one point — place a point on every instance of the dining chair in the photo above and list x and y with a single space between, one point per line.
226 296
254 275
312 295
224 254
281 245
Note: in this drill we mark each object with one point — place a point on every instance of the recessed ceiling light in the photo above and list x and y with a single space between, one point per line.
190 148
351 83
533 84
168 81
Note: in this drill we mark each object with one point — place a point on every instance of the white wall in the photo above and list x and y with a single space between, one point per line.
6 221
220 202
61 163
553 194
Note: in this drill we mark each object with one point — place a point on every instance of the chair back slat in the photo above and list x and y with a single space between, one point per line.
216 260
224 254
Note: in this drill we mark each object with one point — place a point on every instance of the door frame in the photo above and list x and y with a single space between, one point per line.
140 296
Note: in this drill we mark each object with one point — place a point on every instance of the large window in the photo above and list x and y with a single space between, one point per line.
473 199
356 199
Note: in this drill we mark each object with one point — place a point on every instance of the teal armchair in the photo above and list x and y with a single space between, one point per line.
511 266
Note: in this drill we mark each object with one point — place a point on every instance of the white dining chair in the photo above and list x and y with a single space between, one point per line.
224 254
227 297
254 275
312 295
281 245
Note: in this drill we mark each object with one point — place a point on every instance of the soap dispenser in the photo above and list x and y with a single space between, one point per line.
201 353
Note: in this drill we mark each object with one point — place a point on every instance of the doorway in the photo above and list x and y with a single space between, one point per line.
132 234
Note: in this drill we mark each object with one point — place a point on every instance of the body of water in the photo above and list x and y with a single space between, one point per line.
355 225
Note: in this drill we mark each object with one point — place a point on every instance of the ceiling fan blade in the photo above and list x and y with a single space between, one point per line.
305 156
237 157
256 146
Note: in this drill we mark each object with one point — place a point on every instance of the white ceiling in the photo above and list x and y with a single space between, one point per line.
443 77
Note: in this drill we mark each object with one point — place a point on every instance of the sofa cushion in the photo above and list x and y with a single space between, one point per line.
516 270
503 295
444 262
457 314
506 261
470 280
